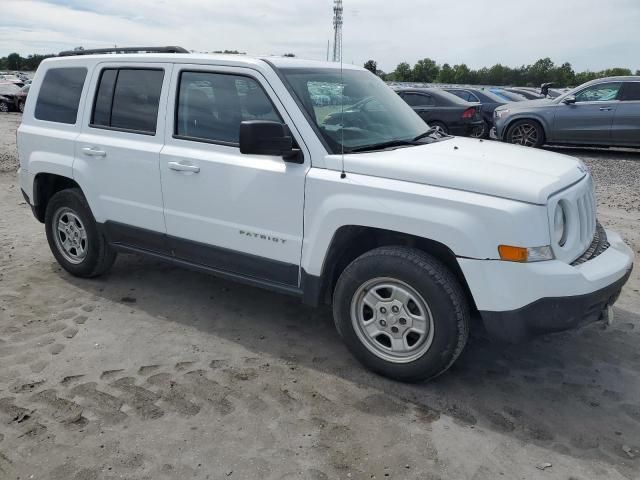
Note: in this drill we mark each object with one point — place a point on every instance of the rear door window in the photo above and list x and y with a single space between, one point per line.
630 92
418 100
59 95
128 100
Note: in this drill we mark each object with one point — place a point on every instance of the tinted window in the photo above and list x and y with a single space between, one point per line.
630 91
603 92
212 105
128 99
418 100
59 95
102 108
464 95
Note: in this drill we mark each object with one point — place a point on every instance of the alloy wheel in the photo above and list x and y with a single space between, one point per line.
525 134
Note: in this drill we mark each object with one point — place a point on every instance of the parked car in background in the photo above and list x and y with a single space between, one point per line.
529 94
603 112
10 78
450 113
488 102
21 98
508 96
8 93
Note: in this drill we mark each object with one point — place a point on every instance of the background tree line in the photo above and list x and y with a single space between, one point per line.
542 71
14 62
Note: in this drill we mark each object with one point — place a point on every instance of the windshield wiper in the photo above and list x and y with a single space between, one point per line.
430 133
383 145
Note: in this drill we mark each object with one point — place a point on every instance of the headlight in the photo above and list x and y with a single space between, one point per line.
501 113
560 225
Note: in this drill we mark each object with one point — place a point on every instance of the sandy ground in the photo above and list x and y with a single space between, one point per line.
160 373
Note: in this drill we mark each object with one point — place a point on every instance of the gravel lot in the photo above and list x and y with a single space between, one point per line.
160 373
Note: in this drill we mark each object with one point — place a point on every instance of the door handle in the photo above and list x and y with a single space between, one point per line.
181 167
93 152
605 109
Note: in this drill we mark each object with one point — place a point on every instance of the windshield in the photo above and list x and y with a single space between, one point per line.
373 113
509 96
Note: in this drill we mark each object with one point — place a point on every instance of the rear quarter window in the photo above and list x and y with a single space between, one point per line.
59 95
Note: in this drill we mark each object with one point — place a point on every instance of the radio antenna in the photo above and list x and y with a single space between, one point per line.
337 56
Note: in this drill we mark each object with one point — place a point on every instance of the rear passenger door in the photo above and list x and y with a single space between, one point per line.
118 151
626 122
240 214
422 103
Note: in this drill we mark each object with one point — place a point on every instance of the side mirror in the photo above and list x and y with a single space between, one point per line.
569 100
262 137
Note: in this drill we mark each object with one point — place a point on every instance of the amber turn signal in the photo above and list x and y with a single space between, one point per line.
513 254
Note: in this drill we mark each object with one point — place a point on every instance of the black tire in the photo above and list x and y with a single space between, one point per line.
516 134
480 131
437 285
4 107
21 107
440 125
99 255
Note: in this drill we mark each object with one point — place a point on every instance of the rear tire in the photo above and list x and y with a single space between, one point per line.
441 126
528 133
402 313
73 236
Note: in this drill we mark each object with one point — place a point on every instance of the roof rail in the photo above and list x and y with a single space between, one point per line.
94 51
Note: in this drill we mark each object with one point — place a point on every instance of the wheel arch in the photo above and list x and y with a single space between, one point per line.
351 241
45 185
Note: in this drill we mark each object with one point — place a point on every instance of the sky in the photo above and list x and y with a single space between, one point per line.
591 34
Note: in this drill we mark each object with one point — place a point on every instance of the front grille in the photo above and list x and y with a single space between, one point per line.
586 204
598 246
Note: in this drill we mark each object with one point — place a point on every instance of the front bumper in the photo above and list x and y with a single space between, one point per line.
518 301
553 314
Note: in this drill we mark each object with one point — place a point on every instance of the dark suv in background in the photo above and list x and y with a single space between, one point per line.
603 112
439 108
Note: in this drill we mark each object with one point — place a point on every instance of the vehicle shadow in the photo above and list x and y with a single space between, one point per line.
576 393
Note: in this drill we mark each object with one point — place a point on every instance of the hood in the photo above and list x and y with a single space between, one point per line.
527 104
486 167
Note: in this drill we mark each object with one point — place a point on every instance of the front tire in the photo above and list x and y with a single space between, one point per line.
402 313
527 133
73 235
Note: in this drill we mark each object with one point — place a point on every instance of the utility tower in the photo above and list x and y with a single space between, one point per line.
337 30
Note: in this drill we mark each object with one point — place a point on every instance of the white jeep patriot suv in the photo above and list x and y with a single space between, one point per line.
318 182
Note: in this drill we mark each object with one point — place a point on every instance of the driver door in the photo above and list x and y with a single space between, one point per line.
235 213
589 120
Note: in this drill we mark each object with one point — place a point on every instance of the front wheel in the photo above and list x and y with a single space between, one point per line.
73 235
527 133
402 313
4 107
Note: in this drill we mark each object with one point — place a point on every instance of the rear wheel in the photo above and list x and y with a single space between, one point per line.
4 107
441 126
480 131
21 106
527 133
402 313
73 235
